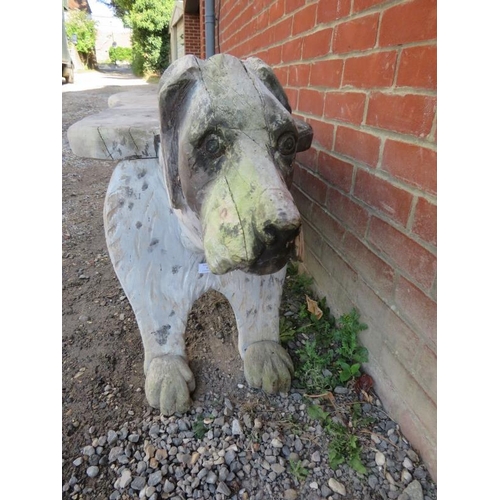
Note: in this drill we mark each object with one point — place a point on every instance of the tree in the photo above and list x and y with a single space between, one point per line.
85 30
150 23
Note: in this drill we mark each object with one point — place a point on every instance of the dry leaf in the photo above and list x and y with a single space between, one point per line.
364 383
313 308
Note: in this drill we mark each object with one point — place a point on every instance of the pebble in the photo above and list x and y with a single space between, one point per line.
245 456
236 428
223 488
138 483
168 487
93 471
412 492
125 479
336 487
379 458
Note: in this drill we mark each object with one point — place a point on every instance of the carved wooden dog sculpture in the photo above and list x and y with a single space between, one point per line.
218 198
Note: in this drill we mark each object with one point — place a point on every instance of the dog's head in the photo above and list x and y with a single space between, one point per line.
228 142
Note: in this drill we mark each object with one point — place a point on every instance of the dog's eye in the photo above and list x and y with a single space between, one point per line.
213 145
287 144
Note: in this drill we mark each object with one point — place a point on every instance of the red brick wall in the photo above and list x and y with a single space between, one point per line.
363 74
192 34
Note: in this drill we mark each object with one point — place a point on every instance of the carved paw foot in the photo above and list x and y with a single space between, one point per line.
169 382
268 366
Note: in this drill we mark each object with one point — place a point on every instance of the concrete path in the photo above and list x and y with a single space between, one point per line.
127 129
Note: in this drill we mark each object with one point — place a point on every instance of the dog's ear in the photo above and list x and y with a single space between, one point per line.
173 87
265 73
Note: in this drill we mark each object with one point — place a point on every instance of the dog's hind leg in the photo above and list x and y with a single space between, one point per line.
153 268
255 301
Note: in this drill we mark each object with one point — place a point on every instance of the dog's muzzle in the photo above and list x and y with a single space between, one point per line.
249 220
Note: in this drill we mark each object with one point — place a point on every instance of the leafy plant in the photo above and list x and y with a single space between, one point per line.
344 447
314 369
298 470
85 30
149 20
287 330
350 354
199 428
120 54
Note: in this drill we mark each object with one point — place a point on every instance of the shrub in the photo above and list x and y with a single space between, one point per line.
120 54
85 30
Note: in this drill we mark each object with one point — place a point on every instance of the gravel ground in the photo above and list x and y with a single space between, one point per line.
235 443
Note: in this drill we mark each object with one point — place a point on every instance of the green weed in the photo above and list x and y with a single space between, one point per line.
344 446
298 470
199 428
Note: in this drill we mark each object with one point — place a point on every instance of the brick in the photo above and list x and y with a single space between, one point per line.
313 186
292 50
425 221
345 106
311 102
261 21
413 164
409 22
323 133
331 10
375 70
426 371
358 145
282 75
317 44
360 5
293 97
276 11
326 284
273 56
420 310
312 238
351 214
409 390
401 340
282 30
359 34
405 253
298 76
418 67
408 114
335 171
373 269
303 203
304 20
326 225
308 158
343 273
326 73
382 195
292 5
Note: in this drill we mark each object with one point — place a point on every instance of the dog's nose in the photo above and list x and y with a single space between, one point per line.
272 235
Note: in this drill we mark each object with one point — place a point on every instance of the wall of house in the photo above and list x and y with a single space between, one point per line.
363 74
192 37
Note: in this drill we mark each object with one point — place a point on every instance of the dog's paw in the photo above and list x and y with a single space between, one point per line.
268 366
169 382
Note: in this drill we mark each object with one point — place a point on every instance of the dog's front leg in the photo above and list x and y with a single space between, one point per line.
169 380
255 301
